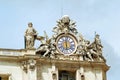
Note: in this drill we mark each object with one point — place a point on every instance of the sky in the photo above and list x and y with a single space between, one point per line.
101 16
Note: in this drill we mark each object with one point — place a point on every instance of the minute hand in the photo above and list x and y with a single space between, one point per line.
66 42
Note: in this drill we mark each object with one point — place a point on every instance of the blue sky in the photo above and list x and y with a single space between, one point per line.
102 16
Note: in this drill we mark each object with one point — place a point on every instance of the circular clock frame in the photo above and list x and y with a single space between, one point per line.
66 46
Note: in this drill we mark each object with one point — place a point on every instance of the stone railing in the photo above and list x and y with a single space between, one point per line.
16 52
11 52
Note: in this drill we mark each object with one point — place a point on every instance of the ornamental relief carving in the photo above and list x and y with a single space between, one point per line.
28 65
65 42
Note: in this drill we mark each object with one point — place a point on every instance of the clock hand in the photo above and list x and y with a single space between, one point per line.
66 44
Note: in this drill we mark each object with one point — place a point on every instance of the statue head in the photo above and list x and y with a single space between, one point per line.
30 24
97 35
65 19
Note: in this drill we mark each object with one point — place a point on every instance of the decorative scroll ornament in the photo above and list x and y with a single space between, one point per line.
25 66
28 65
65 25
32 64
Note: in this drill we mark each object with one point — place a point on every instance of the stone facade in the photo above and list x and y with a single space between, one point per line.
64 56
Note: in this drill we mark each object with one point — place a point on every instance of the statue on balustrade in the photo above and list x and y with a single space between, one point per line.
30 36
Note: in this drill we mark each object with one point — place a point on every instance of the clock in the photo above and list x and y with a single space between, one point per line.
66 43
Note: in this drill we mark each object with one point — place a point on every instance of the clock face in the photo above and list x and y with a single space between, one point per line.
66 44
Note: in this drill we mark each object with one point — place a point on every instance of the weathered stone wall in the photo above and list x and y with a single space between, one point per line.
12 69
11 63
44 72
93 73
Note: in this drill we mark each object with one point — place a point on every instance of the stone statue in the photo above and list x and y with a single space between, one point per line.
83 48
98 44
86 54
96 49
30 36
99 47
47 47
43 49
